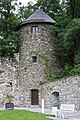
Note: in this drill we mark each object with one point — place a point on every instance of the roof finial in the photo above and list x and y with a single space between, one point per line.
40 8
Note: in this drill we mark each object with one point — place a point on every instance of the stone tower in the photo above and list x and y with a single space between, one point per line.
36 44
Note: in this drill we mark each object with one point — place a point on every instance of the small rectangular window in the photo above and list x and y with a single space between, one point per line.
34 30
34 58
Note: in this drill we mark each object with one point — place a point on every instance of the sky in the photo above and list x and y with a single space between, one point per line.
24 2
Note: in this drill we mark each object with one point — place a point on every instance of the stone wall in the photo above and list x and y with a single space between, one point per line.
54 93
8 77
68 89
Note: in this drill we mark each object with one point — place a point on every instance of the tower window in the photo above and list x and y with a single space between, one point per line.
34 30
34 58
11 84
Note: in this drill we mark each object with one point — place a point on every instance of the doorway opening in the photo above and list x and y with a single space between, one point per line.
34 97
55 100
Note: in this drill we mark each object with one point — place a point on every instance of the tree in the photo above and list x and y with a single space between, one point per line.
51 7
71 33
73 8
72 38
67 45
8 22
25 11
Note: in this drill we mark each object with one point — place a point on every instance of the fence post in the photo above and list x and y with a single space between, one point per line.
42 105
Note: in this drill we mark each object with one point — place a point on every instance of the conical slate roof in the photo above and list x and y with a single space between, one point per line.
38 17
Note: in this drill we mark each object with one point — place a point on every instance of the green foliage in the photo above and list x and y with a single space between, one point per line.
73 8
9 45
29 9
25 11
77 57
45 63
71 39
51 7
8 23
66 72
68 50
71 33
63 72
75 71
67 42
9 97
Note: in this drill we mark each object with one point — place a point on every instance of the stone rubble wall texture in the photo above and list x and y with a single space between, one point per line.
68 89
8 74
32 74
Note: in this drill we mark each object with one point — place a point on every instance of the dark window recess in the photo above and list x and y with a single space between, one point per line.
34 30
11 84
34 58
25 69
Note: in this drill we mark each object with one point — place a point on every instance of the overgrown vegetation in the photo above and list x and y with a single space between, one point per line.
9 97
67 30
45 64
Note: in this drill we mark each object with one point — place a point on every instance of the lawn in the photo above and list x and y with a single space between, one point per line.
21 115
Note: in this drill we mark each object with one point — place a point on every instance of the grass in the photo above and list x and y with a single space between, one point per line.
21 115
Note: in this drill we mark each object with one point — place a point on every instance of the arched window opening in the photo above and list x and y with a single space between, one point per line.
56 94
55 99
